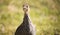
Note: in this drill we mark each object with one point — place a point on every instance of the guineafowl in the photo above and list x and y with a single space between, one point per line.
26 27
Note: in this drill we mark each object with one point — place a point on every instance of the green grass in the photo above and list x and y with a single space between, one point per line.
44 15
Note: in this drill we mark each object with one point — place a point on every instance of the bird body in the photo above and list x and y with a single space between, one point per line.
26 28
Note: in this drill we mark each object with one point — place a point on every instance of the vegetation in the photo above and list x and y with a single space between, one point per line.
45 14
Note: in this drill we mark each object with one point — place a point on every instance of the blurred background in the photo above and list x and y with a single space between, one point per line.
45 15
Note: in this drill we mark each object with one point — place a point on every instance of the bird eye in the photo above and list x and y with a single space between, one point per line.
27 6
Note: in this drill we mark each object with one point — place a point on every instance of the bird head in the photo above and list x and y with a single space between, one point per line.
25 7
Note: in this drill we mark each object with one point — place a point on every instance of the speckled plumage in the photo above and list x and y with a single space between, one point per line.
26 28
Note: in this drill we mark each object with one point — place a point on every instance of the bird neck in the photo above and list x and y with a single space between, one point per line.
26 12
26 18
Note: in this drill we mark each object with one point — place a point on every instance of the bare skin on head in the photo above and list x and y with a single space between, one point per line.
25 8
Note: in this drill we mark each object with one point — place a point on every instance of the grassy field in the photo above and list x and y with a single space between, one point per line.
45 15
